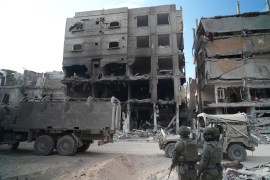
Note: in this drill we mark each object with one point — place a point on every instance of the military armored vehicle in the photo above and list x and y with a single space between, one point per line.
69 126
234 130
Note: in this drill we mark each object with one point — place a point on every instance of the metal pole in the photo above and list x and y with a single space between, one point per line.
267 5
238 7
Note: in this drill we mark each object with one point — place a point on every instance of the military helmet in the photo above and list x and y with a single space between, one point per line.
184 131
209 130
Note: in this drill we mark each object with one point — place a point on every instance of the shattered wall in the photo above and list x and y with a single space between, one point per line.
135 55
232 55
30 85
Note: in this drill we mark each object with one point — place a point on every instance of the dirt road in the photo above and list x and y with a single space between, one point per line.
117 161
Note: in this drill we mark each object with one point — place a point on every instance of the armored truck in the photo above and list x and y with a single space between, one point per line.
235 135
69 125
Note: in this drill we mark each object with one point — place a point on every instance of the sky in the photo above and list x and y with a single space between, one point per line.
32 31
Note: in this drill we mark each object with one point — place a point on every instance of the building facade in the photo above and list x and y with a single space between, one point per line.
135 55
232 59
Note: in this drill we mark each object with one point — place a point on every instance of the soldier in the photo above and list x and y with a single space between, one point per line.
185 156
210 165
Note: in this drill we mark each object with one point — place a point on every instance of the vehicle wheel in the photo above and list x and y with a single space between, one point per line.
66 145
169 149
44 145
236 152
84 147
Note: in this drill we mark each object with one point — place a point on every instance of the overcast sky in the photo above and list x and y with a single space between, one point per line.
32 31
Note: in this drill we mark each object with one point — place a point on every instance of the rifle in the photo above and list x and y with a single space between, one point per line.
171 168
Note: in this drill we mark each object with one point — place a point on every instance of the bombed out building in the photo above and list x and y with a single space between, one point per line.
232 59
135 55
30 86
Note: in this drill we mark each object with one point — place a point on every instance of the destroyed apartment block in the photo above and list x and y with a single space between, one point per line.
30 86
232 59
135 55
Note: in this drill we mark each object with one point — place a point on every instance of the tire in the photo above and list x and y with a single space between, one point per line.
84 147
236 152
66 145
44 145
169 149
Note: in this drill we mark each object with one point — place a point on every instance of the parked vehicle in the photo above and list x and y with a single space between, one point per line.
68 126
234 129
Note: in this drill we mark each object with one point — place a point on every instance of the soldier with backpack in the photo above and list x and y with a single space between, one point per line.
185 155
210 165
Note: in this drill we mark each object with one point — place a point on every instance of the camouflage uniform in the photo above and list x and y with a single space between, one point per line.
210 165
185 170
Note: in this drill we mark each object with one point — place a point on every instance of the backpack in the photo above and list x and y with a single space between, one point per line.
190 152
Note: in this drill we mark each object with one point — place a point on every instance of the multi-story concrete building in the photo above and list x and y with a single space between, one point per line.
135 55
232 58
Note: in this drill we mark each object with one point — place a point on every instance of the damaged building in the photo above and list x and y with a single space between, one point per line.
135 55
232 59
30 86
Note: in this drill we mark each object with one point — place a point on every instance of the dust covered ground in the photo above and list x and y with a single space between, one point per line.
116 161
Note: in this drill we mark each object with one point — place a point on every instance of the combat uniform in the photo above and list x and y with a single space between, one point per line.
210 165
185 161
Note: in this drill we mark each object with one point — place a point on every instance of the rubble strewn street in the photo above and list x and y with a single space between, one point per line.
137 160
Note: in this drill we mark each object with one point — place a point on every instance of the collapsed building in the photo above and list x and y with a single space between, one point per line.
232 59
135 55
30 86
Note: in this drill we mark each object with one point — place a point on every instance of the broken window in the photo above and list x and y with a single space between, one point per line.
165 65
114 24
141 66
162 19
142 116
257 94
142 21
115 69
77 47
113 44
165 89
142 41
117 89
221 94
163 40
78 26
140 90
81 90
76 70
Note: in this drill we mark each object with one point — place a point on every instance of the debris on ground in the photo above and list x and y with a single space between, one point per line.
233 165
255 173
137 135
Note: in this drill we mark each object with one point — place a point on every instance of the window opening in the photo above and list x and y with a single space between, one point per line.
113 44
163 40
77 47
78 26
221 95
114 24
142 41
142 21
162 19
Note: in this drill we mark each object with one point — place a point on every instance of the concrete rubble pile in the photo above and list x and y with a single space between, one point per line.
255 173
147 135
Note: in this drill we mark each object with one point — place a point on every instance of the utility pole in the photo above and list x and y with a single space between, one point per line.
238 7
267 5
